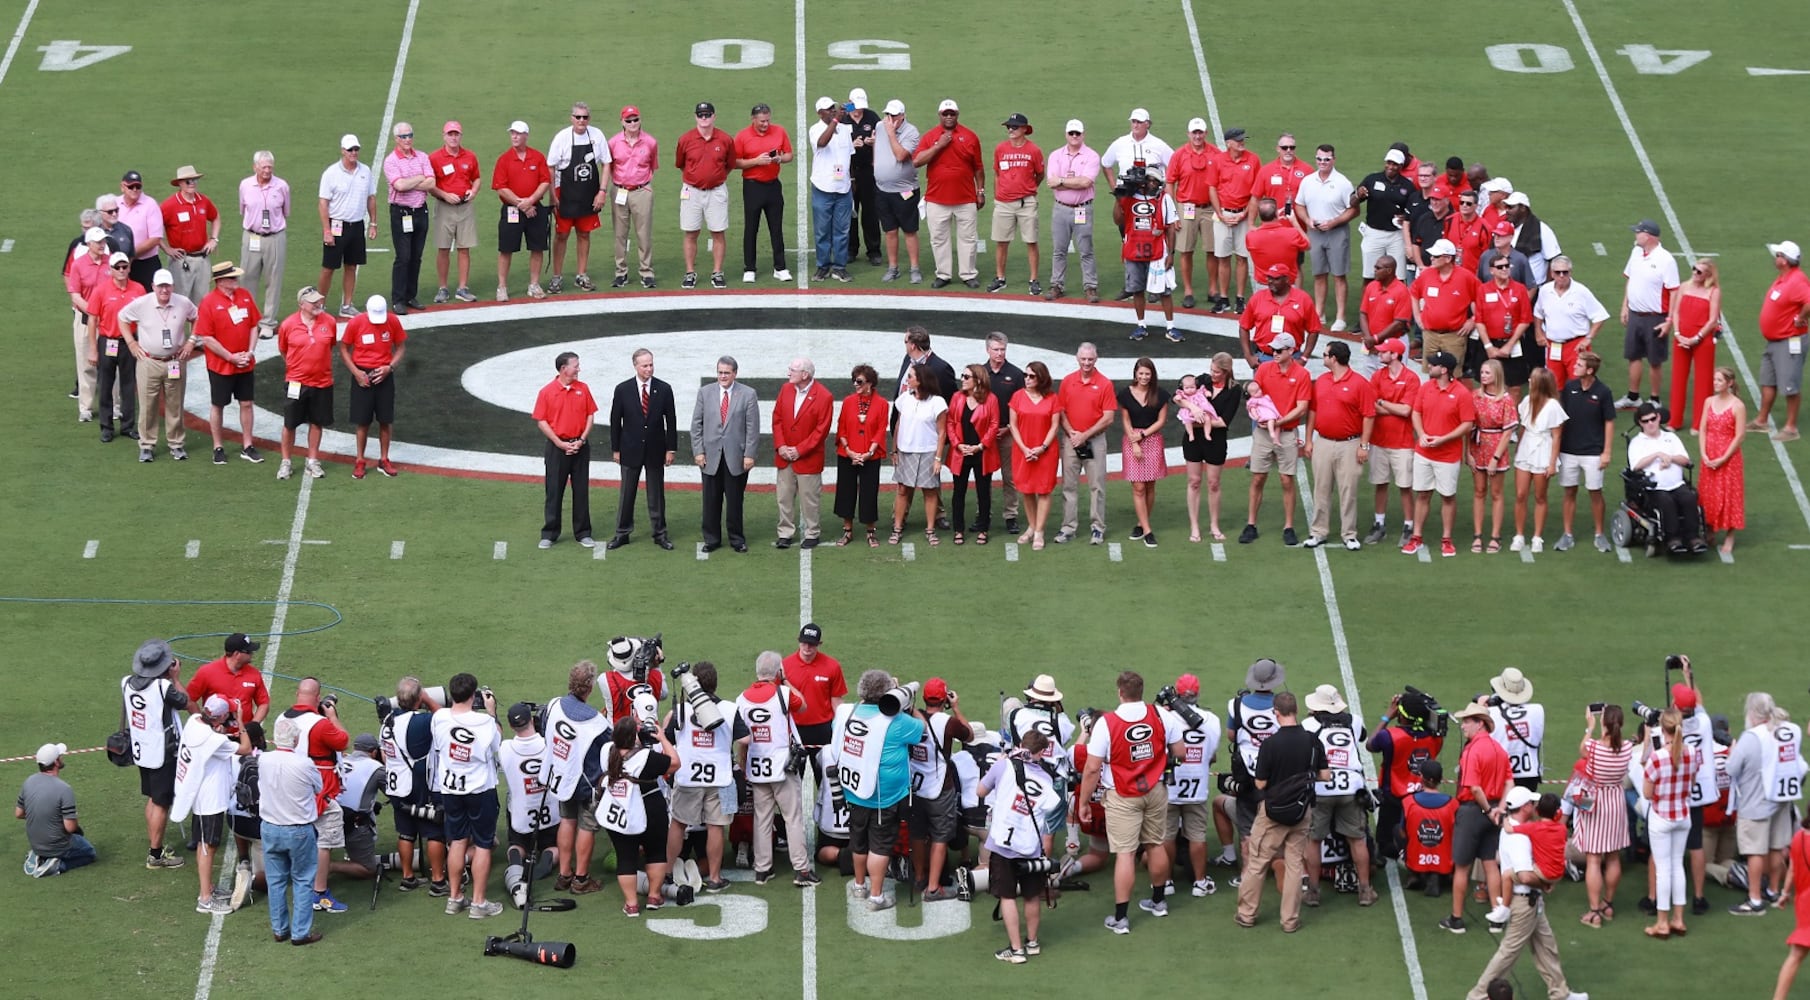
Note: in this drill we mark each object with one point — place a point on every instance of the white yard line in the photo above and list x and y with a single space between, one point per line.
91 549
802 185
193 549
1200 64
12 48
396 549
1684 243
808 937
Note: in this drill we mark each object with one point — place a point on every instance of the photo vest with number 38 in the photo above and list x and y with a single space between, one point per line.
531 801
1136 752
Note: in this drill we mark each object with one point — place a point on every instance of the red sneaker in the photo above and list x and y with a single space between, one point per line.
358 469
386 468
1446 548
1413 547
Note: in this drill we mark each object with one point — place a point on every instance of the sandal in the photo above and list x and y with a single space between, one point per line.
1495 545
1037 542
980 538
960 539
1592 918
847 537
930 536
1025 539
1218 536
872 542
1477 545
1654 932
1607 910
1679 930
893 539
1194 537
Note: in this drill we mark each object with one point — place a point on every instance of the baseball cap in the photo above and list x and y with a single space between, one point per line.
858 98
1444 248
1501 184
1516 198
376 309
1074 125
1275 271
454 127
1197 124
811 634
348 141
936 691
763 108
520 714
704 109
1187 684
1139 115
1394 156
1017 120
1684 696
365 742
118 258
239 642
519 126
947 105
1440 191
309 293
1443 359
1788 249
1393 346
216 707
1518 798
1282 342
133 177
894 107
1503 228
1235 133
49 752
630 111
823 103
163 277
95 234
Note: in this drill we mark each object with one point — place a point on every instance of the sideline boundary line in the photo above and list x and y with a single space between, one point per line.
12 48
1684 243
802 180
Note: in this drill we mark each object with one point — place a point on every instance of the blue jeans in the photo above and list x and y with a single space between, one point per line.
289 863
830 214
80 853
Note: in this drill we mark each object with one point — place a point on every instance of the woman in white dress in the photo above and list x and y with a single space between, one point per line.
1537 455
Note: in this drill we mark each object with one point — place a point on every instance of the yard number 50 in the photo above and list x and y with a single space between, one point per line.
753 53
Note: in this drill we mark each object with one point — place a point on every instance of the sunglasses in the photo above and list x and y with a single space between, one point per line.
1074 133
1499 266
1322 159
632 119
134 187
1650 420
1698 270
967 377
122 267
1289 148
405 135
1561 272
860 381
109 211
582 118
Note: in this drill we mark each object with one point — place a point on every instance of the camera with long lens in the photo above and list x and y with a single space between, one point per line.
426 812
387 706
645 709
1644 712
1184 707
704 712
1031 867
899 699
646 658
559 954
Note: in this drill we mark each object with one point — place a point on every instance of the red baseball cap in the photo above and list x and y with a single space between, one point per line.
1393 346
453 126
1504 229
936 691
631 112
1685 697
1441 191
1187 684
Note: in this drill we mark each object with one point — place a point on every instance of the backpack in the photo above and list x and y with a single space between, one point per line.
245 788
1288 800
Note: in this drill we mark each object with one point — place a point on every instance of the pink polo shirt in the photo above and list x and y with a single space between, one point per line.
255 200
633 164
146 220
1084 162
398 167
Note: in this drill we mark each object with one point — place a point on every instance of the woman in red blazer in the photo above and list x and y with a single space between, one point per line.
973 422
860 455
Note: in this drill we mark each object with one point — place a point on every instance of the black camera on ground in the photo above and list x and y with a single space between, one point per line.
1644 712
1184 707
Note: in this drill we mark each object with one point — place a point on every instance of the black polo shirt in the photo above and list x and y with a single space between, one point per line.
1005 383
1586 412
1385 199
1291 750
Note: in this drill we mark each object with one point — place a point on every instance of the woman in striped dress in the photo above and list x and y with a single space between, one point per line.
1602 833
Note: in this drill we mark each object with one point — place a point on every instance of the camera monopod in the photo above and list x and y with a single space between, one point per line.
521 944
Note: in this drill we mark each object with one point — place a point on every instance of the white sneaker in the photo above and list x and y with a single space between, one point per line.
520 896
1498 915
1338 326
284 470
1539 544
1205 887
782 275
502 293
314 469
748 277
1519 543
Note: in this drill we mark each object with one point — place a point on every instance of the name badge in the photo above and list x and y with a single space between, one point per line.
907 197
1081 216
175 369
168 340
369 338
295 390
838 171
1774 296
1432 293
1005 164
685 193
1380 186
1490 297
1276 324
236 315
112 348
182 216
408 223
1795 345
621 196
1188 211
254 243
1275 180
514 215
338 227
446 169
1555 352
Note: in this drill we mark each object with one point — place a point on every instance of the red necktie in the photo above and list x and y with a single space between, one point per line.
644 400
723 411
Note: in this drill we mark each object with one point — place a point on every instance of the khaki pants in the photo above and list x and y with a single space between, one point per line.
796 490
1266 841
963 221
158 392
789 797
84 372
265 265
638 212
1072 468
1008 490
1335 463
1527 928
195 280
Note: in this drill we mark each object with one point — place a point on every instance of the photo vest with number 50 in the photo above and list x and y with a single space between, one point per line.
621 809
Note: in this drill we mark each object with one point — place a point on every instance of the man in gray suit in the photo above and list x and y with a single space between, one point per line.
725 430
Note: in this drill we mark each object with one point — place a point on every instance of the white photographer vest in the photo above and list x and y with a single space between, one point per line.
1015 814
531 802
147 720
770 736
203 781
398 766
1341 742
860 741
704 759
463 744
1520 729
568 743
621 810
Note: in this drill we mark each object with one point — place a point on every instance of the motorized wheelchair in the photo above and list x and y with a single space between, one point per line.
1636 522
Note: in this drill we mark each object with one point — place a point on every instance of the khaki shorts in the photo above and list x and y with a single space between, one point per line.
1585 468
1229 240
1433 341
698 806
1190 818
1267 454
1015 219
330 827
584 811
1436 477
1133 822
1392 466
699 209
1192 234
456 226
1338 814
1758 836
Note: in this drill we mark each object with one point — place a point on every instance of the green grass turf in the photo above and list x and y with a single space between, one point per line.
1584 626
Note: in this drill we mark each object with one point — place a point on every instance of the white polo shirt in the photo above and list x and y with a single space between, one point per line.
1649 274
1570 314
1325 200
346 192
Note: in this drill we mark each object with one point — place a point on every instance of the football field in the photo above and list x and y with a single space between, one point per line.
1604 112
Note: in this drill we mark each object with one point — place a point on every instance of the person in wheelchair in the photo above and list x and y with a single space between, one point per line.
1657 452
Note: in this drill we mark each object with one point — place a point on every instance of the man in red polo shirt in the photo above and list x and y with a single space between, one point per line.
703 156
564 411
1018 172
760 150
1784 317
1281 178
1392 439
1275 241
107 353
1190 176
191 231
1444 298
955 187
520 179
1280 309
1290 388
1339 427
227 320
1385 311
86 270
371 349
455 220
1088 405
306 339
1466 230
1483 779
1234 178
229 678
1444 413
817 676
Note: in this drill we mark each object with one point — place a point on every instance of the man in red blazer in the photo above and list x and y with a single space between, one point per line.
802 417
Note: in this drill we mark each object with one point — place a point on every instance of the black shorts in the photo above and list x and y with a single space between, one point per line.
896 211
473 818
533 229
246 827
374 401
934 819
1004 882
1693 841
1198 449
348 248
361 839
873 831
314 406
210 830
159 784
1475 837
635 851
410 828
1643 341
815 734
223 389
546 839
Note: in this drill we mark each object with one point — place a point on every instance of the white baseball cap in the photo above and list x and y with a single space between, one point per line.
947 105
1442 248
348 141
1517 198
858 98
376 309
520 126
49 752
95 234
1197 124
118 258
1074 125
1497 184
1395 156
1787 248
163 277
895 107
1140 115
825 103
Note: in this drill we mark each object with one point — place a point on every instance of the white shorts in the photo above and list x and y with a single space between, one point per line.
1437 477
700 209
1392 466
1588 468
1229 240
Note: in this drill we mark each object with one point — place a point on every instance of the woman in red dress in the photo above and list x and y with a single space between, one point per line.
970 427
1695 319
1722 485
1033 434
1797 881
1491 448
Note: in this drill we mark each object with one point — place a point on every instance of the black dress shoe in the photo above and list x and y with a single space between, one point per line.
129 434
664 542
106 434
400 309
782 543
712 546
809 543
415 304
1011 526
739 546
942 523
616 542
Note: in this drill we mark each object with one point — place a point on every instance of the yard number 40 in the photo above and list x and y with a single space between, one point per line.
1533 57
752 53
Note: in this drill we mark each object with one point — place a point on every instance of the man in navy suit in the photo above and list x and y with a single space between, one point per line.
641 420
725 430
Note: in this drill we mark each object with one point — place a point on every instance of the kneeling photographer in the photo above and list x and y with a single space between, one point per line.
633 808
533 830
407 738
936 795
1020 790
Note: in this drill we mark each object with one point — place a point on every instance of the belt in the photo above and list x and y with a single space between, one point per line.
694 187
409 208
1020 202
631 187
572 438
1078 204
155 357
264 232
1637 312
1342 440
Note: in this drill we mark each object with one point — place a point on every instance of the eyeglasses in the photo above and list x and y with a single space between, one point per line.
122 267
1500 265
1289 148
351 149
710 114
186 180
405 135
1467 201
134 187
1556 273
632 119
582 118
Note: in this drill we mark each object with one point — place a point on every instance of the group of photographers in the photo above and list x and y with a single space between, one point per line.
908 787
